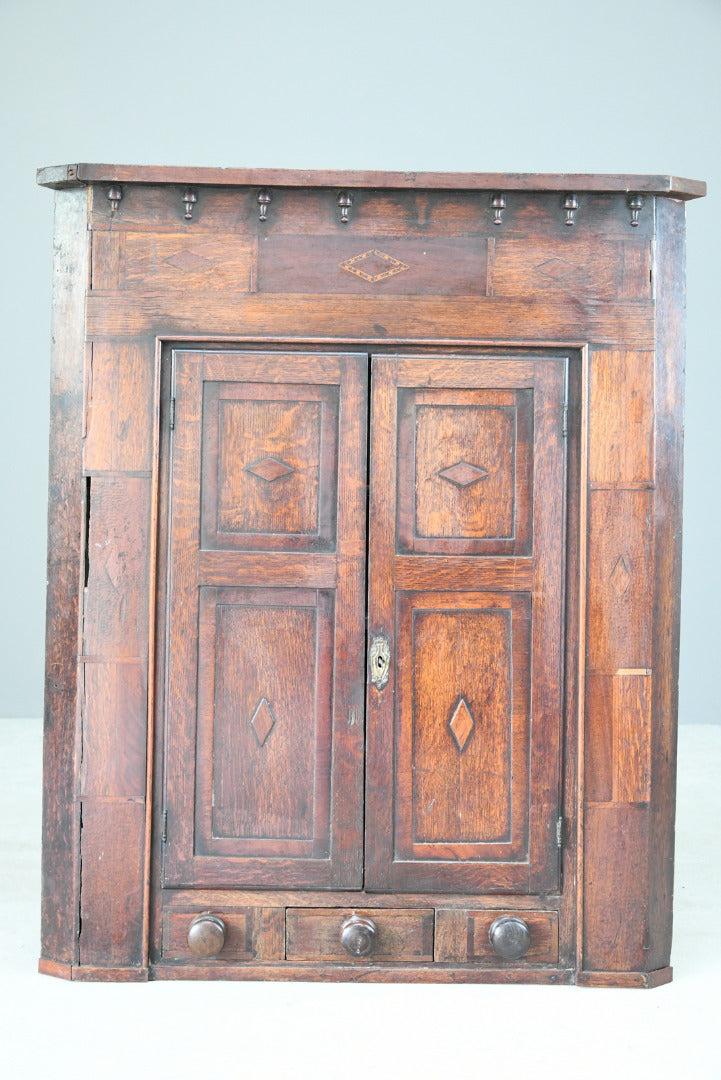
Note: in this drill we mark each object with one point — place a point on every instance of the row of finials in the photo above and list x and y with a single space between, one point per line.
345 202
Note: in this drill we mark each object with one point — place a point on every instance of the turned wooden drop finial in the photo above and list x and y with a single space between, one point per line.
115 194
190 198
570 205
345 201
498 205
635 205
264 199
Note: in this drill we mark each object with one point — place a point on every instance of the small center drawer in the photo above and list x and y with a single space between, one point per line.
393 934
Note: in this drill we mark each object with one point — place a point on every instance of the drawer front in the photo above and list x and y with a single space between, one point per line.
401 935
463 936
249 934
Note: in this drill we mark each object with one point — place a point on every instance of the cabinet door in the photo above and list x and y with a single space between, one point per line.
265 616
465 586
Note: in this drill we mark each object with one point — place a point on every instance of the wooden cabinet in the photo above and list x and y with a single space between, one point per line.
363 576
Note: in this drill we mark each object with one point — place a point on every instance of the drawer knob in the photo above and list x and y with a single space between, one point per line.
206 935
358 936
510 937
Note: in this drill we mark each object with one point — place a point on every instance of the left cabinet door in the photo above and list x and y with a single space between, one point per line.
265 662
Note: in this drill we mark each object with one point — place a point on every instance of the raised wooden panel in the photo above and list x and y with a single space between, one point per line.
114 729
119 408
265 648
465 471
619 560
269 466
621 425
171 262
264 722
115 615
111 899
403 935
372 265
463 705
618 738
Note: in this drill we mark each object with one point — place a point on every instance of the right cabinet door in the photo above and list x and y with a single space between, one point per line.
466 549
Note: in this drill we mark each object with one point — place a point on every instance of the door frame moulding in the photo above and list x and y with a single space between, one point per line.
574 555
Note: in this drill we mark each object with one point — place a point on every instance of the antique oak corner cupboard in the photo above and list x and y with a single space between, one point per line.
363 575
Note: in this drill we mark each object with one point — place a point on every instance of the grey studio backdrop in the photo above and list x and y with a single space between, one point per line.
625 86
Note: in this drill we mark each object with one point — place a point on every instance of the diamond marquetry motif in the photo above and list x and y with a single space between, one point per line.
188 260
621 575
461 724
262 721
269 469
374 265
463 474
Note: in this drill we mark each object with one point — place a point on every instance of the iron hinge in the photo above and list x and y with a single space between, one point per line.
559 832
564 420
164 834
172 414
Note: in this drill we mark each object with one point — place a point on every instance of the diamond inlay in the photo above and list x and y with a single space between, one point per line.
188 260
374 265
461 724
463 474
621 575
269 469
262 721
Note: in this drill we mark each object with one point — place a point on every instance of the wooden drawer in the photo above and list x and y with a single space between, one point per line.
463 935
403 935
250 933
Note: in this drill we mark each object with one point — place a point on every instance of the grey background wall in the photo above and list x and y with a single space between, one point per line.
624 86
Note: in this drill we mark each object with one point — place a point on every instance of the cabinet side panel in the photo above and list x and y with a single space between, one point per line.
670 346
65 517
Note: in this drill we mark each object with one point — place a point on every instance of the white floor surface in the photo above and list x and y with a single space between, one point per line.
50 1028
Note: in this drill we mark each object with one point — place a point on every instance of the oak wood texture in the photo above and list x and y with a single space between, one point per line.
207 578
475 798
92 173
266 682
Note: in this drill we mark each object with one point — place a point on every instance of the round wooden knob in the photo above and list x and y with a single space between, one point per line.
358 936
206 935
510 937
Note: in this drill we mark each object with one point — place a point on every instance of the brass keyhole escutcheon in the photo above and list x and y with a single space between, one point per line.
380 661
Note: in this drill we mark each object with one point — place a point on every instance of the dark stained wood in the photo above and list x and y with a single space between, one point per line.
93 173
447 735
115 613
621 417
275 794
111 903
60 871
403 935
119 408
619 559
525 579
